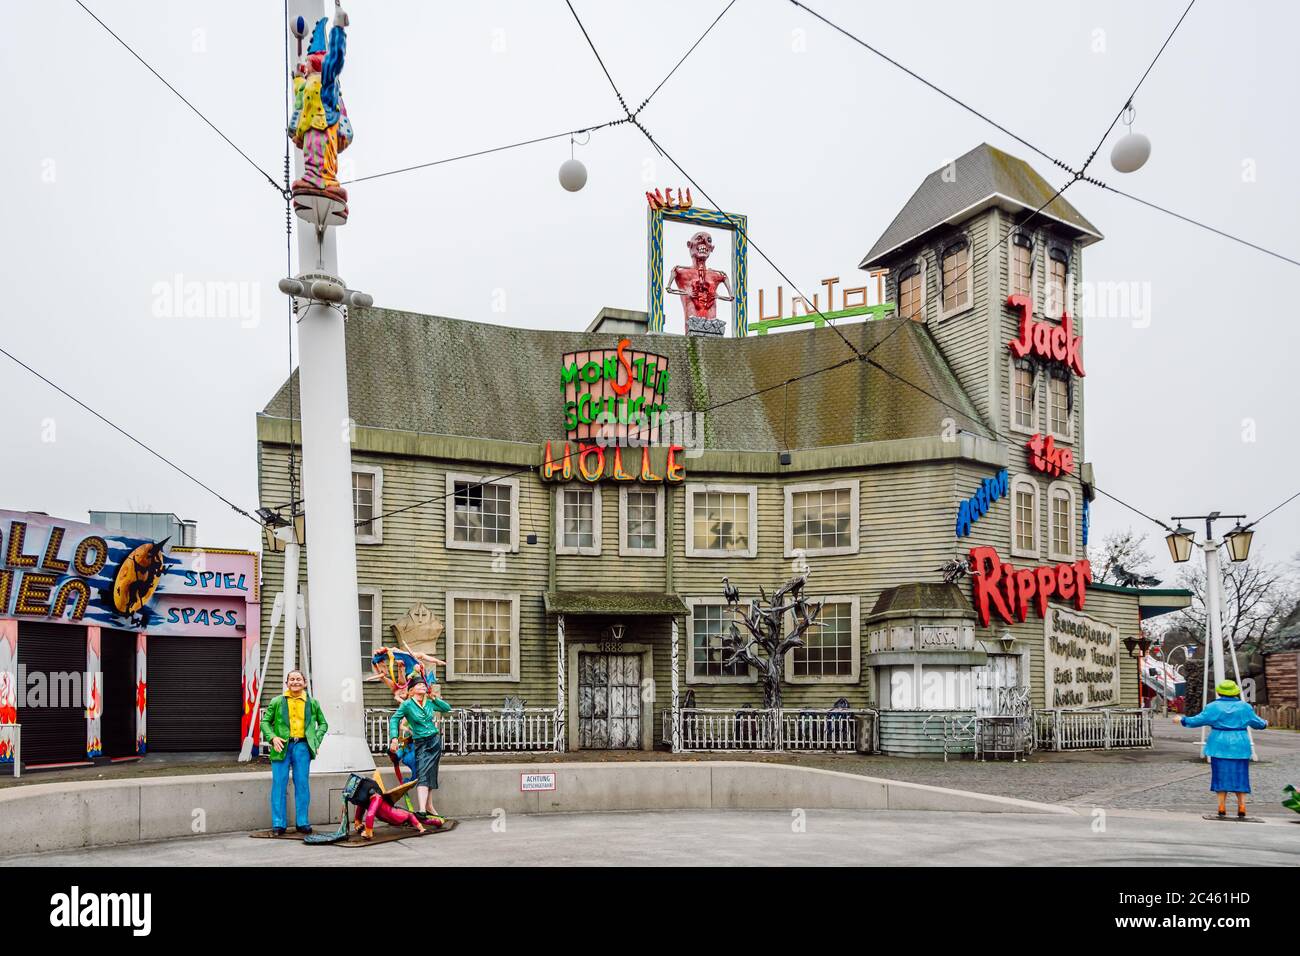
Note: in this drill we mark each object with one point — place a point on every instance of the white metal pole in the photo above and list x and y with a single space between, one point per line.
290 640
1213 605
327 483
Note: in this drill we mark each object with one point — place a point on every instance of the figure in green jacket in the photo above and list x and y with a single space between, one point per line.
418 711
294 724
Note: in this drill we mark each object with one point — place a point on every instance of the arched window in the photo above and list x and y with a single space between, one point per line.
1061 521
911 293
956 268
1020 265
1058 271
1024 517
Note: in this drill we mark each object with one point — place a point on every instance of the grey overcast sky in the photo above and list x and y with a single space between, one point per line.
116 194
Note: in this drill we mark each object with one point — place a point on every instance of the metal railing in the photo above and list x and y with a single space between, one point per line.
470 730
808 730
11 746
1113 728
955 730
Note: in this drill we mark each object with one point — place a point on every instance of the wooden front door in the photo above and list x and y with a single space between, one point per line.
609 701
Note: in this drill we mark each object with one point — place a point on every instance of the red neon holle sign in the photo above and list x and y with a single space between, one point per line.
1008 591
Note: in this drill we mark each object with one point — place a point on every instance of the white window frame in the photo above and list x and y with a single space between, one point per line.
450 509
1016 483
658 550
694 488
852 484
1067 436
749 677
1033 265
596 529
925 298
449 614
1033 427
377 638
855 616
945 313
1048 245
1054 490
377 525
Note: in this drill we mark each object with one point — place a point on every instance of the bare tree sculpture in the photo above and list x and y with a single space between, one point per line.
764 624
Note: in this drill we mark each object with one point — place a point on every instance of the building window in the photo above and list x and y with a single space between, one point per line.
1024 395
481 512
367 495
1058 267
708 622
1061 522
577 520
1020 266
1024 517
956 270
482 636
721 521
821 518
831 652
1059 420
371 631
911 293
641 521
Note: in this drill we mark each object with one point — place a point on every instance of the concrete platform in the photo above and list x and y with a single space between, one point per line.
74 815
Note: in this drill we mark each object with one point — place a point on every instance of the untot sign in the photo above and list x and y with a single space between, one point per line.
529 782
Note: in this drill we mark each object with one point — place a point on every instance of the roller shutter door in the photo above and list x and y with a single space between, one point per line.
193 701
55 732
117 660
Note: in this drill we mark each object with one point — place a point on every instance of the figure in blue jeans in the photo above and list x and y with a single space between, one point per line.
295 725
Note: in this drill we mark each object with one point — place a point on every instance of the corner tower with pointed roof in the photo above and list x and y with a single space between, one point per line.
943 273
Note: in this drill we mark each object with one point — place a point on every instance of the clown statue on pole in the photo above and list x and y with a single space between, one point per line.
319 125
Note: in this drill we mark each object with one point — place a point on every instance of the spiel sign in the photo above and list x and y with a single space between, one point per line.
52 569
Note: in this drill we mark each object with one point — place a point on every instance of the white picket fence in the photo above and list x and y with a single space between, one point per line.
830 730
467 730
1113 728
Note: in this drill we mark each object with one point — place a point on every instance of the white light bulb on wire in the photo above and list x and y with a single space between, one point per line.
1133 149
573 174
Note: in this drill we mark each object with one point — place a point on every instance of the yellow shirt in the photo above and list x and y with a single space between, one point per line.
297 714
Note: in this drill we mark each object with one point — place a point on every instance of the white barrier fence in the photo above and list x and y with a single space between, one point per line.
467 730
1110 729
832 730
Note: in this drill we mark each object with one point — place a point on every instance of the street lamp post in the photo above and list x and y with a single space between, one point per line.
1181 542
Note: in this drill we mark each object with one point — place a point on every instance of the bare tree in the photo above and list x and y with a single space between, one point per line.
764 624
1256 596
1122 558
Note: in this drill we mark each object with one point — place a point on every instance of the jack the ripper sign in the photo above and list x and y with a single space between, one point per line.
1010 592
1080 660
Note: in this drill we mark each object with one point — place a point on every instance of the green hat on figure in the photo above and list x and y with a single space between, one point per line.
1227 688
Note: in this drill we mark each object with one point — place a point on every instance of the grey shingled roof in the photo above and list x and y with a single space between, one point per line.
443 376
983 177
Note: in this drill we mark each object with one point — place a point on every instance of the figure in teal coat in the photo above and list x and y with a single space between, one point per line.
1228 746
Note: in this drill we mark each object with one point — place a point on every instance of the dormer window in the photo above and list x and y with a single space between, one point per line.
911 293
1020 266
1058 270
955 264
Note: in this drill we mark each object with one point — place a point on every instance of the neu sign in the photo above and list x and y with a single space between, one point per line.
1008 591
1046 340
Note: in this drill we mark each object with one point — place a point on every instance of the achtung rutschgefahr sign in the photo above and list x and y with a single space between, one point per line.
1080 660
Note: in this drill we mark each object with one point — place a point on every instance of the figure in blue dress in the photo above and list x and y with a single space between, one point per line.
1228 746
